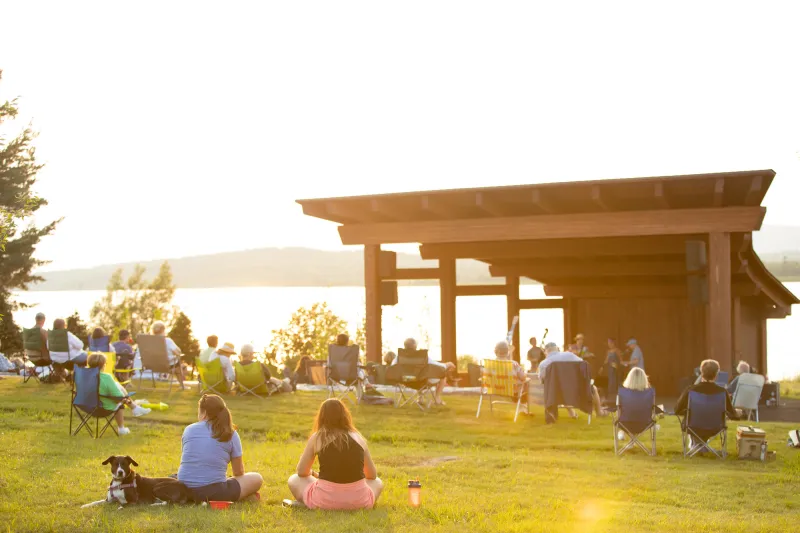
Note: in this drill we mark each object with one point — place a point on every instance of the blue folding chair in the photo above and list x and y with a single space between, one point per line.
86 403
704 420
635 416
722 379
103 344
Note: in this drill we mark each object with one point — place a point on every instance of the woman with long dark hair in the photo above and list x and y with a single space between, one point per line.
208 446
347 477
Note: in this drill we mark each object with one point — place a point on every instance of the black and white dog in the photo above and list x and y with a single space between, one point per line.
128 487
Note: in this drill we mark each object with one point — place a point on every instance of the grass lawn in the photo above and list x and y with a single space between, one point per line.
508 477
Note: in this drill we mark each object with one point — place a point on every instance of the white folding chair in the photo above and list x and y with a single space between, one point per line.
748 393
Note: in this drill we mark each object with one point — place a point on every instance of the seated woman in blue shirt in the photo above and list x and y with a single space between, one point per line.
207 448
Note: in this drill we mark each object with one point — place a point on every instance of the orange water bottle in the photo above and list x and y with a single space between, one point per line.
414 493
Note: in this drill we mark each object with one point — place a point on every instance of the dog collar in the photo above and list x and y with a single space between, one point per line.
120 487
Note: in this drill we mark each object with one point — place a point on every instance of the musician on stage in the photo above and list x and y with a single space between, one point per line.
535 354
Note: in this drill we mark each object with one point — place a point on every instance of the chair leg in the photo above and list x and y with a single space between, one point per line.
480 401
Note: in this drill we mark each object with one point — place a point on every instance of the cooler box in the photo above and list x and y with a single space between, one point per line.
749 441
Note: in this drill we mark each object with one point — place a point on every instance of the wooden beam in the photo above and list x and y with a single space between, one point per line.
512 310
414 274
753 196
665 290
447 294
538 200
736 327
589 269
435 207
598 198
718 333
542 303
610 247
661 196
487 205
481 290
545 227
383 210
719 192
372 285
762 347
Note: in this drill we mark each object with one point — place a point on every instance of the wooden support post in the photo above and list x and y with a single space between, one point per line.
569 303
447 290
762 347
372 284
512 310
736 329
719 300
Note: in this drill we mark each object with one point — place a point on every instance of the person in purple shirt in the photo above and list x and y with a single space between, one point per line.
207 447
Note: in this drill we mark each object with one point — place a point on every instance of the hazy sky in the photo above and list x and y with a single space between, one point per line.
179 128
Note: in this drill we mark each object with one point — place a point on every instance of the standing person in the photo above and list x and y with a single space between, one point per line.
66 349
535 354
34 341
581 350
637 357
347 478
207 447
613 368
205 355
173 352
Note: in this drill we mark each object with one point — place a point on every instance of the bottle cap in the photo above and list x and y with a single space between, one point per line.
414 484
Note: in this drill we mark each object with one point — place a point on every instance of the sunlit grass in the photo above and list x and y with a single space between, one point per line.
507 477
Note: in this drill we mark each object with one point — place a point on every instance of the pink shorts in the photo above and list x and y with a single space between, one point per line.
325 495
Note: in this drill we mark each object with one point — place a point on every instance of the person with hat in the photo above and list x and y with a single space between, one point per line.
637 357
224 355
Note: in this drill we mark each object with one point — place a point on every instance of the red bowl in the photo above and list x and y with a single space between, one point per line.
220 505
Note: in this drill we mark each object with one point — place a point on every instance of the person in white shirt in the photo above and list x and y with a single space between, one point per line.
75 355
224 355
552 355
173 352
411 344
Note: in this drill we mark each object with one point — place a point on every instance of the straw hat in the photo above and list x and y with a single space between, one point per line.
227 349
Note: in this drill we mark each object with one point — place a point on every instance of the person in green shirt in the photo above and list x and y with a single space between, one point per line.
112 393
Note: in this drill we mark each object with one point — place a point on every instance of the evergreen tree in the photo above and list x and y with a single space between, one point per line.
182 334
18 169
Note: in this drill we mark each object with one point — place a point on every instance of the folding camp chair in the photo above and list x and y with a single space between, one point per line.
412 375
102 344
499 379
722 379
86 403
155 358
636 415
250 379
572 388
211 377
747 393
342 372
704 420
31 364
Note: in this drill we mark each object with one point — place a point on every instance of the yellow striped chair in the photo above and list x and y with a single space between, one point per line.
499 379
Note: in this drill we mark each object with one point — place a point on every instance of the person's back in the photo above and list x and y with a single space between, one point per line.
708 373
206 354
342 464
552 355
204 459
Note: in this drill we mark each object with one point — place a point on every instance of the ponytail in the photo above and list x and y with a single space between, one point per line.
218 416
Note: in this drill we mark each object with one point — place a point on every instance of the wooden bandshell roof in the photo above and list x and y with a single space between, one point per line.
589 239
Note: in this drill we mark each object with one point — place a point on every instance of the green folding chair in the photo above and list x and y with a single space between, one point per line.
250 379
212 378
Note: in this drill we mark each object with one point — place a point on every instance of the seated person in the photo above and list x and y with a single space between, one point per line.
347 478
708 374
98 342
205 354
111 387
441 382
124 350
224 355
173 352
34 341
66 350
207 447
301 374
552 355
503 352
246 357
742 368
343 339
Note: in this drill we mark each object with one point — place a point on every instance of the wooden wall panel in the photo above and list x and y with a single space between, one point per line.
670 331
749 336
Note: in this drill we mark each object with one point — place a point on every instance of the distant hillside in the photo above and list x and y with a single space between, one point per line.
778 246
278 267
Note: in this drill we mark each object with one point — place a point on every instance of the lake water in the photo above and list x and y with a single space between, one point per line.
242 315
